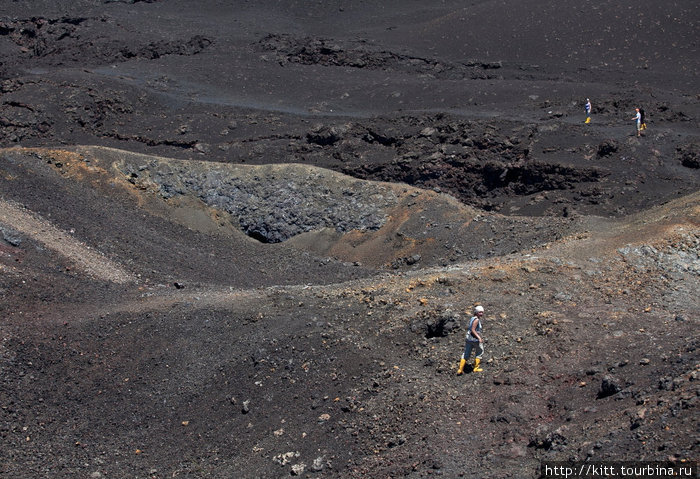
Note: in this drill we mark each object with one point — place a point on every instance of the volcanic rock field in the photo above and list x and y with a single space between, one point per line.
244 239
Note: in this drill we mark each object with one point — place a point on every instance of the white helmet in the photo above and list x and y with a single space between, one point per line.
479 309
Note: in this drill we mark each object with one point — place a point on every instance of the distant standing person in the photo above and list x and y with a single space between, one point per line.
642 119
473 340
588 110
638 119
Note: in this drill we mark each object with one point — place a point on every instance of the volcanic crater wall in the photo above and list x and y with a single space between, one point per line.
270 203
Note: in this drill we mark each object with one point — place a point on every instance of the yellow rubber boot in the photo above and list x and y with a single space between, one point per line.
588 120
462 363
477 369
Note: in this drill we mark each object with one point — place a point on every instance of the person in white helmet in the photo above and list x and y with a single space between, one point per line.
473 340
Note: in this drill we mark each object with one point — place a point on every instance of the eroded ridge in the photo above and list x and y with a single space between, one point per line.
39 229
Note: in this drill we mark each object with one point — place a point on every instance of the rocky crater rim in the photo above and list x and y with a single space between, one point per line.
270 203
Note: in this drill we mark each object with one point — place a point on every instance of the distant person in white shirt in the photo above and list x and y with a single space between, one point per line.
638 119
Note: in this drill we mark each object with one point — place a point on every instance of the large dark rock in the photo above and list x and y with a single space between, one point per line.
689 155
607 147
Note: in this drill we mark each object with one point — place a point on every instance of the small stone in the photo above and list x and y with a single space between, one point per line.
318 464
562 297
608 387
11 237
285 458
298 469
411 260
202 148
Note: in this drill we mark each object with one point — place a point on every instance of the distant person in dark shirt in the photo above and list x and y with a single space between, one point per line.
474 341
588 110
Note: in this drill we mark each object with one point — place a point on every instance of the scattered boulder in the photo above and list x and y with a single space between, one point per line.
298 469
637 419
397 441
561 296
11 236
285 458
609 386
406 261
548 440
325 135
436 324
666 383
607 148
689 155
318 464
428 131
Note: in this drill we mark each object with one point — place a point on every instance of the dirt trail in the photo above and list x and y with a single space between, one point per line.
603 238
87 260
